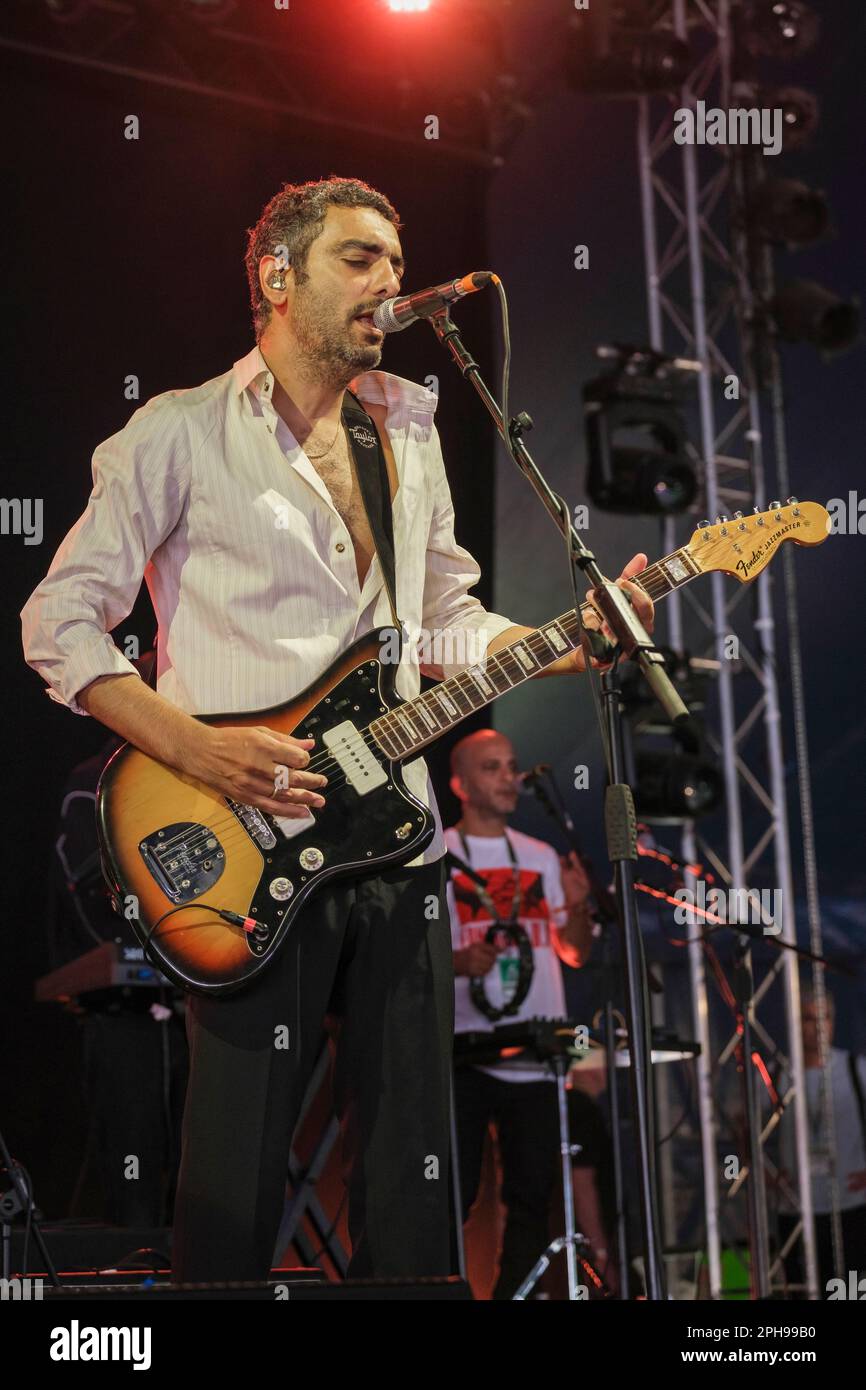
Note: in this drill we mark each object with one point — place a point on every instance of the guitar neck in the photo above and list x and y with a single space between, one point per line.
403 732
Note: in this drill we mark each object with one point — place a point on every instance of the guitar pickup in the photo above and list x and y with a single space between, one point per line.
354 757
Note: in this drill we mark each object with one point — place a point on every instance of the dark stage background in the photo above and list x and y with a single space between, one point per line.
125 257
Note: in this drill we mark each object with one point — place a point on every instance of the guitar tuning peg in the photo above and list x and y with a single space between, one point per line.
774 506
756 509
723 517
702 525
792 499
738 516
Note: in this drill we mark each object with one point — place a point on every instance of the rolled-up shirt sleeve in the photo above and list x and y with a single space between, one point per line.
457 627
140 488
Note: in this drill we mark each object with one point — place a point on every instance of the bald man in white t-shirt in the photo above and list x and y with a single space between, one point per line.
550 899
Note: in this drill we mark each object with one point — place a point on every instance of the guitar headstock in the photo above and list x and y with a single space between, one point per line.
743 545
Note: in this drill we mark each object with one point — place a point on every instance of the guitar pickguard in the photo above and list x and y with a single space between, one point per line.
369 821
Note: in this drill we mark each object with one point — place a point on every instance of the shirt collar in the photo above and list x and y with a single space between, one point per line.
379 388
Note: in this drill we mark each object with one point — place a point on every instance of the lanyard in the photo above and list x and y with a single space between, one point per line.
483 894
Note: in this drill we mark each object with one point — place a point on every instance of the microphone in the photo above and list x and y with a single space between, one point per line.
392 315
528 779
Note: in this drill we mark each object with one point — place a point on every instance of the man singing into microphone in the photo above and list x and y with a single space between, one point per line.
238 502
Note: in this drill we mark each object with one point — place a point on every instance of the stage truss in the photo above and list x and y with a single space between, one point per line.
702 293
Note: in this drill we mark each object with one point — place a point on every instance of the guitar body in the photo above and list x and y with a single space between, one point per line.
167 840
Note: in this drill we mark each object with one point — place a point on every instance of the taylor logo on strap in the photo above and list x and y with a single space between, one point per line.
362 436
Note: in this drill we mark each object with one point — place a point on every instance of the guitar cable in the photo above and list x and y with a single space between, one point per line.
249 924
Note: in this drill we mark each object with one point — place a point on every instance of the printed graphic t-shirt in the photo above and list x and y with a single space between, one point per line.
542 904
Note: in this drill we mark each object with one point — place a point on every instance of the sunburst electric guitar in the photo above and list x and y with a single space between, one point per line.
213 886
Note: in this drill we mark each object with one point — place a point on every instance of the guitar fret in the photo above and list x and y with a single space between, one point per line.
382 735
509 666
395 733
486 689
422 720
564 633
689 563
555 639
655 582
525 655
404 716
441 698
675 567
548 650
421 705
497 675
462 695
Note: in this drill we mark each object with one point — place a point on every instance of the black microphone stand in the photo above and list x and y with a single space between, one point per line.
620 820
606 912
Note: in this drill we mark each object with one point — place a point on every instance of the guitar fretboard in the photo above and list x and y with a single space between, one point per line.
402 733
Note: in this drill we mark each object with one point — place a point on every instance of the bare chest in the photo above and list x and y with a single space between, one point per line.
337 472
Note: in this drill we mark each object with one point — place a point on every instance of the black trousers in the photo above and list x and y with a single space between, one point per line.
375 952
527 1120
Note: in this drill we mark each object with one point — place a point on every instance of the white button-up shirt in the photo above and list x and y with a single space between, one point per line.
208 496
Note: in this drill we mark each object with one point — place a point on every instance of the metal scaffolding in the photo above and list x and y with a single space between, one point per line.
701 300
287 75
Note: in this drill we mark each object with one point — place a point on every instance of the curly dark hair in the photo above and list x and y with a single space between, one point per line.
293 219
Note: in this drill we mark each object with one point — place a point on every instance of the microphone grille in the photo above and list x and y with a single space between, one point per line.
385 318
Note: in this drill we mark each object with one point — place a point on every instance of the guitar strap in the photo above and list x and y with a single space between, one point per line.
372 472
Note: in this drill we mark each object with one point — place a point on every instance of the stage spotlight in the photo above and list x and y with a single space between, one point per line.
799 108
620 61
787 212
636 435
691 675
805 312
671 787
800 113
779 28
408 6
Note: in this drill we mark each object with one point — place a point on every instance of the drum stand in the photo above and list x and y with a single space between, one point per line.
572 1240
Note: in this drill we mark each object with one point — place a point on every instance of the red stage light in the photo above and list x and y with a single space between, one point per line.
407 6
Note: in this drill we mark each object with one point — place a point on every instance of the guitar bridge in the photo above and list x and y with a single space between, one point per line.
254 823
185 859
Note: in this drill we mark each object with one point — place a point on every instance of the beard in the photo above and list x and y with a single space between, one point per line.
328 350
